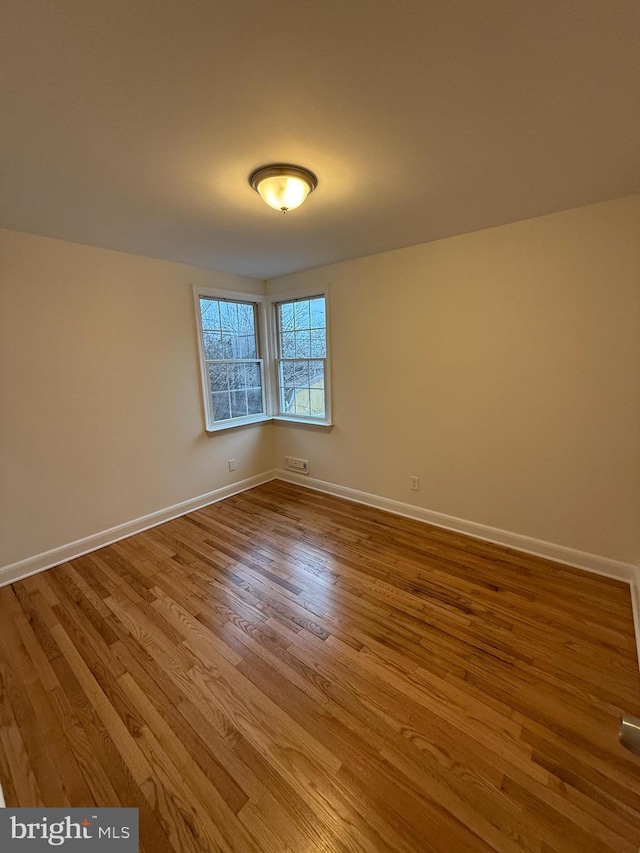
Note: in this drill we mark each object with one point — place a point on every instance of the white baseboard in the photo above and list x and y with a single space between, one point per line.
46 560
537 547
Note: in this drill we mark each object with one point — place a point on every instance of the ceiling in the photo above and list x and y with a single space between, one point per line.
134 124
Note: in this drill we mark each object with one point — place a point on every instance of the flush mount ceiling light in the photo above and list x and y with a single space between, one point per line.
282 186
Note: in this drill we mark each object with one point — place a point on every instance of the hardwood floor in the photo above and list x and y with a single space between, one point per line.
286 671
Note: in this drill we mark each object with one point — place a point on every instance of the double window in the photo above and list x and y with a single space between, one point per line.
263 359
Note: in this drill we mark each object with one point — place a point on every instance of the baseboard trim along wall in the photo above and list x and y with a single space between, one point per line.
46 560
559 553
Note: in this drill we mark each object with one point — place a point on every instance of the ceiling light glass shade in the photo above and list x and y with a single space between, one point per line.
282 186
282 192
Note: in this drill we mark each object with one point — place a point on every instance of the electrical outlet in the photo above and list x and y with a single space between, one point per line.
232 464
414 483
299 465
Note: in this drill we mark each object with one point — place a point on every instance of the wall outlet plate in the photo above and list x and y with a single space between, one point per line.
295 464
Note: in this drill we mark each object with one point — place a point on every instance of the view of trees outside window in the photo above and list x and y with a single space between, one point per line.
232 358
302 350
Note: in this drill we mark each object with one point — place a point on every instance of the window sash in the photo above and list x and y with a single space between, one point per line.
299 387
231 397
251 395
313 393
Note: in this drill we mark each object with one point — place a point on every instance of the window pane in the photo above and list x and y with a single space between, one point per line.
254 401
287 400
318 343
212 344
316 374
301 374
318 320
221 410
302 401
246 319
316 389
227 345
301 312
247 346
316 402
229 316
287 372
210 313
238 404
286 317
218 377
288 345
240 346
303 344
252 375
236 377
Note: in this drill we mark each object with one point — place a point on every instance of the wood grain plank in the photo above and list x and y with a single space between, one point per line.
287 671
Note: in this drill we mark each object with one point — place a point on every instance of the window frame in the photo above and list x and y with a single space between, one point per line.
266 307
262 347
275 301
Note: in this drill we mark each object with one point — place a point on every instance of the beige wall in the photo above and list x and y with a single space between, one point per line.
502 368
101 419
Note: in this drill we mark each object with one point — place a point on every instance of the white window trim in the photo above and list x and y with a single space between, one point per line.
267 350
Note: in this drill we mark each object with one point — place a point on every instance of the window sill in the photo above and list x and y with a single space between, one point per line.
240 422
285 419
266 419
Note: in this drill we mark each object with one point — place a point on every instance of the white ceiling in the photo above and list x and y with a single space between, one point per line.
134 124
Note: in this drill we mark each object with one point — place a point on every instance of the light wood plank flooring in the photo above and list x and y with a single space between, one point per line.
286 671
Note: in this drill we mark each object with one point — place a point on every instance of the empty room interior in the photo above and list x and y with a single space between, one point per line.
320 425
